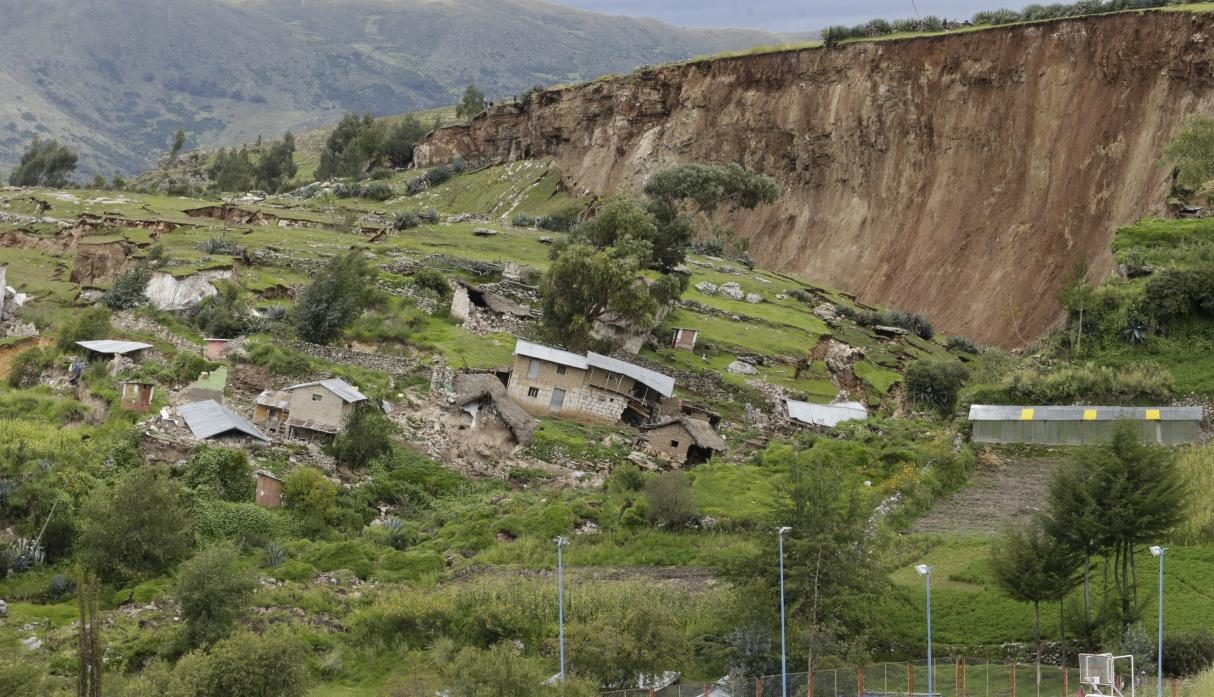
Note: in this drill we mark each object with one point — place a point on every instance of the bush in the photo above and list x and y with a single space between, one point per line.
27 367
440 175
357 557
366 435
670 500
213 589
1186 655
521 219
405 221
93 323
138 528
377 191
245 664
128 291
334 299
935 383
626 477
434 281
428 216
279 360
312 498
1177 293
221 473
396 567
961 344
561 221
1140 383
246 523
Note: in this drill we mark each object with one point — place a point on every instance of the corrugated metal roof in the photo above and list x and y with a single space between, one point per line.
663 384
112 346
552 355
988 412
337 386
828 415
210 418
278 399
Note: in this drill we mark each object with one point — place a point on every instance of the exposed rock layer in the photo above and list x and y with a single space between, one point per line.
963 175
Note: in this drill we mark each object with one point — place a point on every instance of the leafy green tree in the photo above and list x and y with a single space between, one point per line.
683 195
313 498
1072 518
276 165
1192 153
93 323
274 664
935 383
670 499
398 144
45 163
223 473
232 170
139 527
1032 567
225 315
366 435
178 144
584 283
129 290
213 589
612 652
471 104
334 299
349 148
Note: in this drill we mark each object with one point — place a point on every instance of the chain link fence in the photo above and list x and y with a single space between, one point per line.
960 677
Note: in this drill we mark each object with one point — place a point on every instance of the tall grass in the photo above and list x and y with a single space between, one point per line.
1194 463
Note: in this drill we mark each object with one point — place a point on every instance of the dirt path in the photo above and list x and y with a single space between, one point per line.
999 493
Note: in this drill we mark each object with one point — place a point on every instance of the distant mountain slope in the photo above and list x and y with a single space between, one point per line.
116 78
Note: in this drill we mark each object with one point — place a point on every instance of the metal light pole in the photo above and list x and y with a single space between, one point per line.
1157 551
783 645
560 596
926 572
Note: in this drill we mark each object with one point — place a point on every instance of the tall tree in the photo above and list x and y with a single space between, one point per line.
349 148
1032 567
334 299
471 104
398 144
276 165
178 144
90 655
45 163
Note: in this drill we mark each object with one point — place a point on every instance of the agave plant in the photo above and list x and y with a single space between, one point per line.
275 555
59 587
275 313
1136 331
24 554
398 536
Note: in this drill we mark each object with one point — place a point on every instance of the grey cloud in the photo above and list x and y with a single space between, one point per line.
785 15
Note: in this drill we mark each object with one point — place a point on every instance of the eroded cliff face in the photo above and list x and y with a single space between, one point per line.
962 176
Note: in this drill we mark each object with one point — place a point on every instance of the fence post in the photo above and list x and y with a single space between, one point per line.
1064 680
1013 679
860 681
758 687
705 689
910 679
809 690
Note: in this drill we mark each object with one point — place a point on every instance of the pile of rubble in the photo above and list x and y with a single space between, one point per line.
730 290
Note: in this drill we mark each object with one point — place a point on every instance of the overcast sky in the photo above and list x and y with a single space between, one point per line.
786 15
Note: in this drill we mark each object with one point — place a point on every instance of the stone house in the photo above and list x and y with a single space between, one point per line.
310 411
596 388
685 440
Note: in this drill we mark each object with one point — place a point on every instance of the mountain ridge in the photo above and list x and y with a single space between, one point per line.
116 78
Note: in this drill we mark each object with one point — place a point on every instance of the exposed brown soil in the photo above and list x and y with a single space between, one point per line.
961 175
686 578
1000 493
9 353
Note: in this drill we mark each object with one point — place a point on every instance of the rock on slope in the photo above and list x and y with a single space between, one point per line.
961 175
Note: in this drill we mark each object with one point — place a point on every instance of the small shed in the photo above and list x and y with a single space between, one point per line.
216 349
825 415
685 339
210 419
1082 425
269 490
685 440
137 395
111 347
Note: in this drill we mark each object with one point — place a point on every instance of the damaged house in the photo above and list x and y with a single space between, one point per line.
684 440
310 411
483 398
593 387
210 420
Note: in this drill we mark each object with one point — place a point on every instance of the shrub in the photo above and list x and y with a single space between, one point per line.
245 664
428 216
414 566
186 367
279 360
377 191
1186 655
433 280
246 523
935 383
357 557
128 291
365 435
1140 383
961 344
312 498
221 473
139 527
670 499
93 323
213 589
626 477
27 367
521 219
803 295
294 571
440 174
561 221
1176 293
334 299
405 221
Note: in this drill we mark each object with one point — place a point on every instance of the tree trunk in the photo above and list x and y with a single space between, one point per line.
1037 634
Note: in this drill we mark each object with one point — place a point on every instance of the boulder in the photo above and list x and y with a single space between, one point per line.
754 298
707 288
741 368
732 290
3 609
827 312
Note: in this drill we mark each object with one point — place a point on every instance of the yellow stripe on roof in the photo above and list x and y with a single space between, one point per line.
1152 415
1026 414
1089 414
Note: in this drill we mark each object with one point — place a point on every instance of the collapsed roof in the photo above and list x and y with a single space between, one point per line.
476 387
210 418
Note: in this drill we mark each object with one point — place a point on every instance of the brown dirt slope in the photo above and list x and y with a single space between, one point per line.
961 175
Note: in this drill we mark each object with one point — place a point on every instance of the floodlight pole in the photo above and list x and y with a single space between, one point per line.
926 572
560 597
1159 552
783 637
